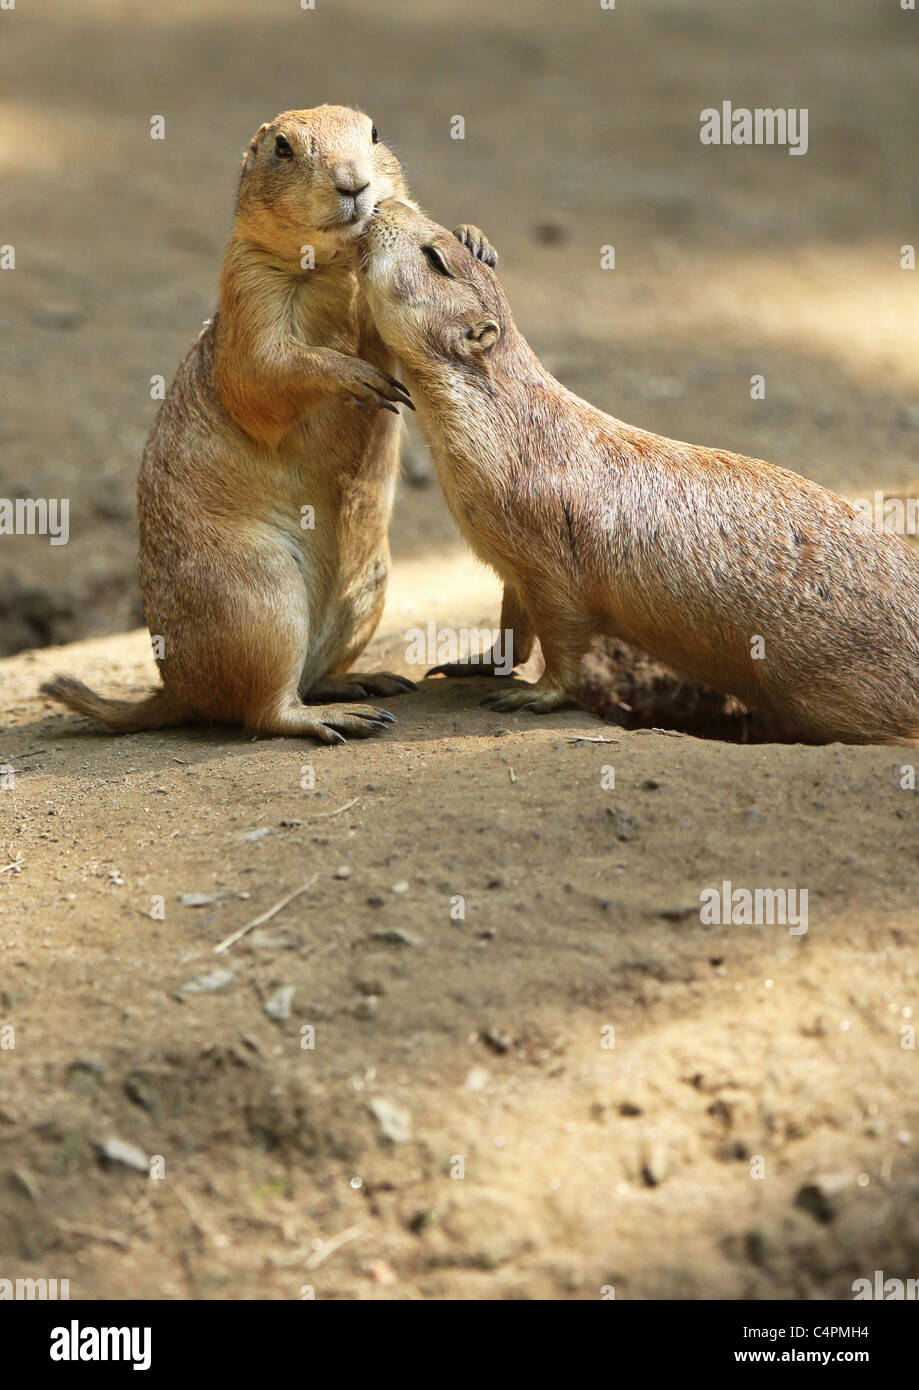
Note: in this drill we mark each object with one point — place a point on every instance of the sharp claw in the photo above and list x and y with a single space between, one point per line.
409 685
394 381
388 405
336 737
436 671
385 715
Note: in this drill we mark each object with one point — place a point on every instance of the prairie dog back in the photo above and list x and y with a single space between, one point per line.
727 568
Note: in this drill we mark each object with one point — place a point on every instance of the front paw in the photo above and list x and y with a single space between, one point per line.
477 242
368 385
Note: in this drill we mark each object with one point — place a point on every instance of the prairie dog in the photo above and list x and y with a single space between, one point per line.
729 569
266 485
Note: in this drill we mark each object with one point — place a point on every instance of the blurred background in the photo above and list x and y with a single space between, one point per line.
581 130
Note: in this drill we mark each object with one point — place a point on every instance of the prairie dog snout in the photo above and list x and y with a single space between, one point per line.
729 569
313 176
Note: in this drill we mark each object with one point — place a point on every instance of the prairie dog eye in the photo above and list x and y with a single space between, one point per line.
375 135
282 148
437 260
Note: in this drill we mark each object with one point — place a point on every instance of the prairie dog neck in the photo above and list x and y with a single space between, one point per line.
265 297
473 433
474 444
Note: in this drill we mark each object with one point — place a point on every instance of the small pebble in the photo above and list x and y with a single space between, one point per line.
392 936
209 983
395 1122
128 1155
197 899
655 1167
823 1196
277 1006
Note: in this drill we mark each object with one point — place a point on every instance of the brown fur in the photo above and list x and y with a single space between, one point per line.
285 401
597 527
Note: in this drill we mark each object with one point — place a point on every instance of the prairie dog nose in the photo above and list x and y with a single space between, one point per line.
349 181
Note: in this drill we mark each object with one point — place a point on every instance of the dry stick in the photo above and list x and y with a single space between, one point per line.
194 1212
329 1247
16 864
324 815
68 1228
257 921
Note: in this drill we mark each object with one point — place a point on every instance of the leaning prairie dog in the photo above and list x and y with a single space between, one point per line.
266 485
737 573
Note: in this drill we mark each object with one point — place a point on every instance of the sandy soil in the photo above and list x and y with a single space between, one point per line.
461 1127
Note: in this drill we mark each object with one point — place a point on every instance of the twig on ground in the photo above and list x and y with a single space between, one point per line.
265 917
588 738
329 1247
324 815
68 1228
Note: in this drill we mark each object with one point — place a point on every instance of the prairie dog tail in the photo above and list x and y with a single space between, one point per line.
159 711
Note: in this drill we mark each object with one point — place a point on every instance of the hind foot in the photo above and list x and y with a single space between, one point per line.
536 699
354 685
327 723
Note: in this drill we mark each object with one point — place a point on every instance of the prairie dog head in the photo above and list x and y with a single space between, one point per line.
434 304
313 178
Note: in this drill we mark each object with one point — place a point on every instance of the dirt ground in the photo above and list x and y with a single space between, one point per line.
376 1097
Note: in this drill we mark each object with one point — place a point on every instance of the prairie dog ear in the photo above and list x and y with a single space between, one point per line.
482 336
252 146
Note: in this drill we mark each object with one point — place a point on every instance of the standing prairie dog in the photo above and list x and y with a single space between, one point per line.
267 482
735 572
